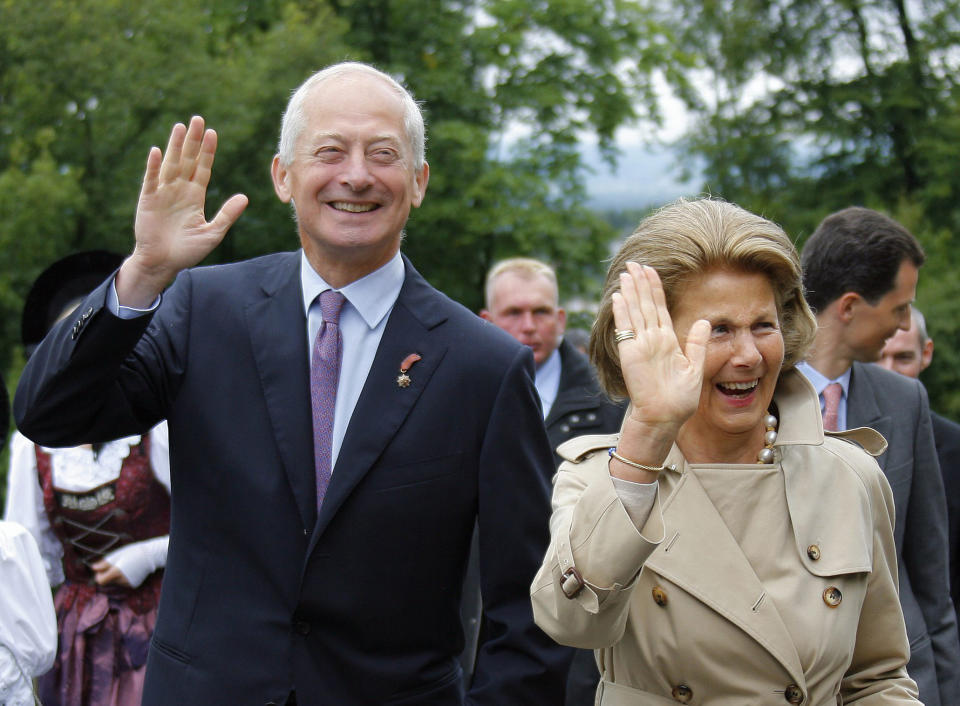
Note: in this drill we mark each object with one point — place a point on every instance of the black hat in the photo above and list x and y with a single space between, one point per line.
60 285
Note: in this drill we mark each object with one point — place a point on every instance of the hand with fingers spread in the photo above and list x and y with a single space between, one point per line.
171 229
663 380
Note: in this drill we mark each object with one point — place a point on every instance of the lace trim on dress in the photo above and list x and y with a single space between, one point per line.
79 469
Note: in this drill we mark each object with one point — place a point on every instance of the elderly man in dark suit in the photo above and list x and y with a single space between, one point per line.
337 428
860 271
522 298
909 353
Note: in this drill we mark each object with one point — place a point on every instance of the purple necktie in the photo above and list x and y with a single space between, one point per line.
324 375
831 405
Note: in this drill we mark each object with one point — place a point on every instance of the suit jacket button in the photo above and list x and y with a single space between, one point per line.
793 694
813 551
832 596
592 417
659 596
682 693
302 627
575 418
565 428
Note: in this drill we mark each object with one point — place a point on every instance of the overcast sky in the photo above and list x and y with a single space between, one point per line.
644 176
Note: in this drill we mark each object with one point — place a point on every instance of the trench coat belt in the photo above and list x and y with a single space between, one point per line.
610 694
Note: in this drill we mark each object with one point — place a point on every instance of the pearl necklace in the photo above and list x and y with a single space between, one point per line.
766 454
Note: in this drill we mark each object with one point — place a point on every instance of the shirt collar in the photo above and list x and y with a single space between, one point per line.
820 381
372 295
547 380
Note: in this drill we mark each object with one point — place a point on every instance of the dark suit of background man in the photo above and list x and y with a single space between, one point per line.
860 271
436 426
909 353
522 298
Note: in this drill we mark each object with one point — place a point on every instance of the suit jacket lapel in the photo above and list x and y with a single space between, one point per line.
699 544
383 405
863 410
277 325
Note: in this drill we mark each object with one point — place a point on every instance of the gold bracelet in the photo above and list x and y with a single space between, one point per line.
633 464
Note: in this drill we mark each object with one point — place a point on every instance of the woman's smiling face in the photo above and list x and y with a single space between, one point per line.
744 351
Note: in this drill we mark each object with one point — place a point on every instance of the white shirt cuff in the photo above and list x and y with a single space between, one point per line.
126 312
138 560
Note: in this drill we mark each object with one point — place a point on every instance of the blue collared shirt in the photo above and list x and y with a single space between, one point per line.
363 318
547 381
820 381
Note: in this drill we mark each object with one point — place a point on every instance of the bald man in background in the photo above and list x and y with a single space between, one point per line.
909 353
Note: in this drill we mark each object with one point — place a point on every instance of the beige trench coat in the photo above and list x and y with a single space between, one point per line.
676 612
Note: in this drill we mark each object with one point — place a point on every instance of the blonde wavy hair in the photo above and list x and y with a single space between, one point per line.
686 239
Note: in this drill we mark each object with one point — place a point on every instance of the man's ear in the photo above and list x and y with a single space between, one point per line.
562 318
484 314
420 180
926 354
278 173
847 305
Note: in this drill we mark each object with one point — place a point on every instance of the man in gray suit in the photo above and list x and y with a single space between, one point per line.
909 353
860 272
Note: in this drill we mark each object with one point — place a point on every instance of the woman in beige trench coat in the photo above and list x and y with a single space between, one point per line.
721 549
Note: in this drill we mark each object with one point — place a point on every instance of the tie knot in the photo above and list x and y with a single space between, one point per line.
832 393
330 304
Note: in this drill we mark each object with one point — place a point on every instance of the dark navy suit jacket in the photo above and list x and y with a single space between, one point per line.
358 605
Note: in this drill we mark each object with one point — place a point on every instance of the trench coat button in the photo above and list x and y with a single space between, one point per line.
793 694
659 596
302 627
813 551
832 596
682 693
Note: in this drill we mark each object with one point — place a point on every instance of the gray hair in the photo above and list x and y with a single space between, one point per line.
293 117
921 323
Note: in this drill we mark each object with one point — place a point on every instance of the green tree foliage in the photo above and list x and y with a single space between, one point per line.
86 86
804 107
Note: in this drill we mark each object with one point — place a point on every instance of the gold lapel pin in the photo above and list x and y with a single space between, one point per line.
403 380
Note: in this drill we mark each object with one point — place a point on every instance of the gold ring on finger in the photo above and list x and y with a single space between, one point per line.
625 335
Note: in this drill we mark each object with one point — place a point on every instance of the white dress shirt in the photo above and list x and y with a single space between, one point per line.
820 381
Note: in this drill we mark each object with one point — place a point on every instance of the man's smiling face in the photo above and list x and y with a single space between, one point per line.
352 180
